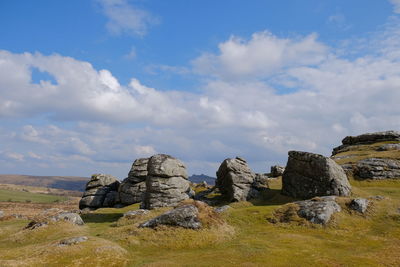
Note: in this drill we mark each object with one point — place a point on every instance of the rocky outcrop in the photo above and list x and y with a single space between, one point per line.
368 138
377 169
135 213
166 182
389 147
308 175
72 241
318 210
101 187
133 187
59 215
277 170
235 180
184 216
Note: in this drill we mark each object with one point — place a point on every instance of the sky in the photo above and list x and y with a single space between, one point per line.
88 86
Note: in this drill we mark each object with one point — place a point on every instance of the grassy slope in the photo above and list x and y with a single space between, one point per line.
20 196
247 240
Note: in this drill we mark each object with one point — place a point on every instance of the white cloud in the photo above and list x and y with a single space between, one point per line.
396 5
126 18
264 54
112 124
131 54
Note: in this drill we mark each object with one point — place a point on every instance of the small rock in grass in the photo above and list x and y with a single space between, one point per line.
222 208
72 241
359 204
135 213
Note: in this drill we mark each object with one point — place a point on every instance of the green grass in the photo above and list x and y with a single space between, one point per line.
245 237
20 196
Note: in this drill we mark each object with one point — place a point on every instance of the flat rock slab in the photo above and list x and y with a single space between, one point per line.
135 213
318 210
69 217
184 216
72 241
308 175
377 169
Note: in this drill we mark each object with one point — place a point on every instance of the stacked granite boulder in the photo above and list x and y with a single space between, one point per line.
101 191
133 187
277 170
308 175
167 182
236 181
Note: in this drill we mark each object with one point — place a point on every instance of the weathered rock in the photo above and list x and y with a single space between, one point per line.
235 179
377 169
1 213
261 180
308 175
389 147
110 199
135 213
138 172
69 217
222 209
367 138
98 189
73 241
359 204
166 183
318 210
130 193
184 216
277 170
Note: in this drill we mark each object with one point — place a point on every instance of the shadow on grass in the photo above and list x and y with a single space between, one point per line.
101 217
272 197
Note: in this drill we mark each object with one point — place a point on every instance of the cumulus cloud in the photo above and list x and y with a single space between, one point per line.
112 124
264 54
126 18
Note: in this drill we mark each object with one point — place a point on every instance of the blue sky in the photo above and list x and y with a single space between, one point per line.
88 86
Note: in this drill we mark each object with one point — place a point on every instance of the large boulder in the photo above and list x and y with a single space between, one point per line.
377 169
368 138
184 216
166 182
308 175
100 187
133 187
236 181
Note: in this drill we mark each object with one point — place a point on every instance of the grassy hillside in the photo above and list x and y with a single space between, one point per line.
248 239
60 182
21 196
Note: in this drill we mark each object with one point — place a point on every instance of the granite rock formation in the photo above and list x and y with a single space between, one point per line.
101 187
308 175
133 188
166 182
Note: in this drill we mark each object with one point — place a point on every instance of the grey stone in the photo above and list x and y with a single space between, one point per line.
222 209
69 217
388 147
162 165
130 193
135 213
367 138
138 172
359 204
318 210
377 169
1 213
165 192
277 170
100 190
235 179
100 180
184 216
308 175
162 188
73 241
110 199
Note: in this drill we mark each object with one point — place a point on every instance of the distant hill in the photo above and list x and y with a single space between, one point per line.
59 182
198 178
